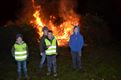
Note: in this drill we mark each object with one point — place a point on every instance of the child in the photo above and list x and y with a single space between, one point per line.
76 43
20 54
51 52
43 47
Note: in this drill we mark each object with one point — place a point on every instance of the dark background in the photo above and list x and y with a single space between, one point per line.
107 58
110 10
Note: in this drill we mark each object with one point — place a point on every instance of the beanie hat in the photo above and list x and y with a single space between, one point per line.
45 28
19 35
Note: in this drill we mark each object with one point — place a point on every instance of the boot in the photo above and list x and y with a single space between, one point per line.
55 74
48 73
26 77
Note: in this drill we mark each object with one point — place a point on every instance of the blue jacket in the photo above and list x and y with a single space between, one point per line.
76 42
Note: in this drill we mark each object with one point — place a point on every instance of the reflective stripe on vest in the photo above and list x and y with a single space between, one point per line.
52 49
20 52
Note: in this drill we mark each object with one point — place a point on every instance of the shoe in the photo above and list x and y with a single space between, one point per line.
55 75
26 78
49 73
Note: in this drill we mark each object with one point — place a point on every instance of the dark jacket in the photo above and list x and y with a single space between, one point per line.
42 44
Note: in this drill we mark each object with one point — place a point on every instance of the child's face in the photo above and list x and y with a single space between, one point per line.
45 32
19 40
76 30
50 35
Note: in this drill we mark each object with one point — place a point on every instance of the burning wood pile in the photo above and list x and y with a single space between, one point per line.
58 15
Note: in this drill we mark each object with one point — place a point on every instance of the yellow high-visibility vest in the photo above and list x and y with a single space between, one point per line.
20 52
52 49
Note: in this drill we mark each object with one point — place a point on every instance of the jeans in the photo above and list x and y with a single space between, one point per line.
76 60
51 62
22 66
43 57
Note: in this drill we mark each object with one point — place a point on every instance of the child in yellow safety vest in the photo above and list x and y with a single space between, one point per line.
20 54
51 52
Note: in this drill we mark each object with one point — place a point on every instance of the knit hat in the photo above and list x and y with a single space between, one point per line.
19 35
45 28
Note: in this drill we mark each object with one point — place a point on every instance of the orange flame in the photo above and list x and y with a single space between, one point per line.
62 31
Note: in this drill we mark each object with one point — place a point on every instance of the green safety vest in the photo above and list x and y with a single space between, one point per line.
20 52
52 49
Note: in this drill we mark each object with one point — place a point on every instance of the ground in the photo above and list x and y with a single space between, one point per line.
98 63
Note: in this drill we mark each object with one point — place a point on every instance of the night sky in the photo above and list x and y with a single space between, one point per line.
9 10
110 10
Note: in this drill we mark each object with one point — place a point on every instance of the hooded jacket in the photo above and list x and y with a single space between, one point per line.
42 44
76 41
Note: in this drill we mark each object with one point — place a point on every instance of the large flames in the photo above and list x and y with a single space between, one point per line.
62 31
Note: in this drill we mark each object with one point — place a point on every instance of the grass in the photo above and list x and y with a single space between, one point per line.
99 63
